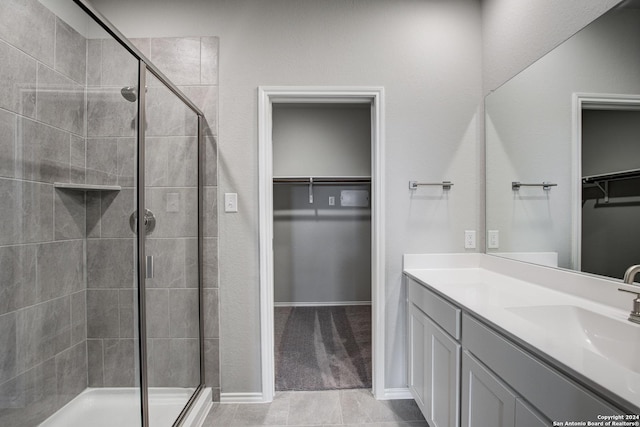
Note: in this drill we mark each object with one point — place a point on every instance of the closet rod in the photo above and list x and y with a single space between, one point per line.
322 180
614 176
602 181
311 181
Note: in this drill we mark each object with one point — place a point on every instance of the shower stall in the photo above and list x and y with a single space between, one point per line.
102 320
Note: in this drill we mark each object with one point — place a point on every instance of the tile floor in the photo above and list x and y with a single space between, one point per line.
319 408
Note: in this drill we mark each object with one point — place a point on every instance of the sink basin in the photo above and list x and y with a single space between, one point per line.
613 339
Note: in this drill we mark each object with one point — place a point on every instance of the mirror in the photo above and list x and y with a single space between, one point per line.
567 128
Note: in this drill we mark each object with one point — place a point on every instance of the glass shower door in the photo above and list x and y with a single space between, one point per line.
171 249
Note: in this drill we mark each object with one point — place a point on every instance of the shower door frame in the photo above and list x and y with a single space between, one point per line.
144 66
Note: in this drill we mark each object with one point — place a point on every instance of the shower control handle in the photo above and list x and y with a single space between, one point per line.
149 221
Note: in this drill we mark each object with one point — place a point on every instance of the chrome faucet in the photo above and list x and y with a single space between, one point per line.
630 274
629 277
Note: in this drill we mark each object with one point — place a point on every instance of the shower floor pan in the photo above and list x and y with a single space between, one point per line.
108 407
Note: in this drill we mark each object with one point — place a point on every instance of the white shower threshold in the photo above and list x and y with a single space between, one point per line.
108 407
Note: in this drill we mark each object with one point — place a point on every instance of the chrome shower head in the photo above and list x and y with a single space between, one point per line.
129 93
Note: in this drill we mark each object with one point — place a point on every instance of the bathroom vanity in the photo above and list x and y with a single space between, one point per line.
498 342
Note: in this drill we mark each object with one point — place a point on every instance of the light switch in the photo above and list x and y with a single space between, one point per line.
231 202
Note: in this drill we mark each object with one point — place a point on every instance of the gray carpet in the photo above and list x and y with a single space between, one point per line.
323 348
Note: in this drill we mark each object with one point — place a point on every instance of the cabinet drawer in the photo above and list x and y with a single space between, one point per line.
552 393
446 315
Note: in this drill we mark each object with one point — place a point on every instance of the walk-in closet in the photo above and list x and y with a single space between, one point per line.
610 164
322 245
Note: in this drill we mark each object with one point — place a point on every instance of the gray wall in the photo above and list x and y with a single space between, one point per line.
610 230
516 34
427 54
610 140
321 140
322 253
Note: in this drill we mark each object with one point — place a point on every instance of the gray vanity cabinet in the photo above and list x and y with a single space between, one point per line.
433 357
526 416
486 401
417 326
462 372
442 358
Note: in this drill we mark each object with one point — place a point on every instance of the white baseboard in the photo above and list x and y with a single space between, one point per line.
320 304
396 393
241 398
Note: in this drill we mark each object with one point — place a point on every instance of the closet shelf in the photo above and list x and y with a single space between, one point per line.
321 179
315 180
86 187
602 181
613 176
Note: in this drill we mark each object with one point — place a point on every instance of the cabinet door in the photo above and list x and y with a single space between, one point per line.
529 417
434 376
442 378
416 333
486 401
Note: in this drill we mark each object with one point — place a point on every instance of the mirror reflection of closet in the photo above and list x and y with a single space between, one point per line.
532 128
322 245
611 189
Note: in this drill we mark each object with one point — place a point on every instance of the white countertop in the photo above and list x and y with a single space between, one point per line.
481 288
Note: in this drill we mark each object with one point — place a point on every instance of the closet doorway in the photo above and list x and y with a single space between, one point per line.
322 246
322 261
608 165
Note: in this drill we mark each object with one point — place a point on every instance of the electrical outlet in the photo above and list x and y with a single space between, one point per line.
493 239
470 239
332 200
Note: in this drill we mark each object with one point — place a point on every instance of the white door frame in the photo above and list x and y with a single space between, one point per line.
583 101
267 96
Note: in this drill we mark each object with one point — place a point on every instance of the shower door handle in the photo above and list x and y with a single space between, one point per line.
149 267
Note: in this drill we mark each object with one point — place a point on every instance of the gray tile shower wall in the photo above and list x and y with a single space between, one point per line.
67 299
17 87
37 44
192 64
171 153
42 230
110 159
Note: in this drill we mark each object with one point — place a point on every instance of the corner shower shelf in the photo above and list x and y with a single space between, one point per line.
86 187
